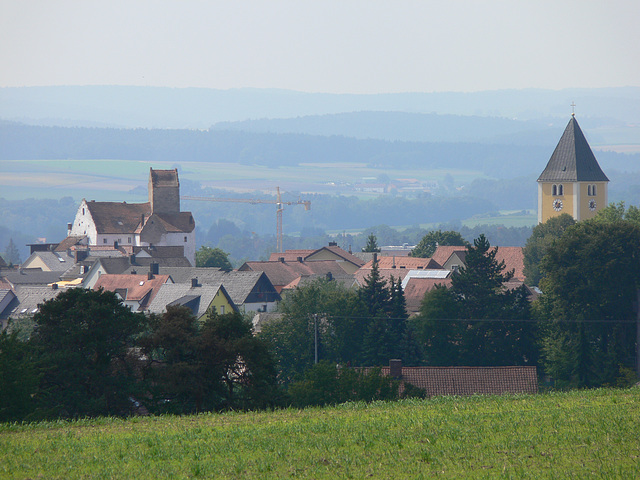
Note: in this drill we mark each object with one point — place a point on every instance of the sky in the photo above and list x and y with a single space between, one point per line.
332 46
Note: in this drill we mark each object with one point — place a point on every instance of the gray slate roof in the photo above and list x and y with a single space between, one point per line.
28 297
573 160
54 261
197 298
238 285
28 276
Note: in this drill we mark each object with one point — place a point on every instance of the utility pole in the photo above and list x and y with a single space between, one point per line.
315 330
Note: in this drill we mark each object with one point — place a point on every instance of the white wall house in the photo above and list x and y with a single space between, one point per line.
158 222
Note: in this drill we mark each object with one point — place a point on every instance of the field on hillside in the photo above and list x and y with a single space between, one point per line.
557 435
111 180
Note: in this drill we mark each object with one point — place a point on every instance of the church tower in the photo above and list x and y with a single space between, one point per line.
572 182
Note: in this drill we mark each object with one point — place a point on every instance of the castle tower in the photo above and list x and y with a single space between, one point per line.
164 191
572 182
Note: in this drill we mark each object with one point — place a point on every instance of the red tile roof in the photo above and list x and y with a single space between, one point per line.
416 289
283 273
443 252
513 259
135 287
118 217
289 255
411 263
386 273
471 380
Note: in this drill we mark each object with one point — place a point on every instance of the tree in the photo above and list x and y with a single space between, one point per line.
19 378
171 349
427 246
478 321
212 257
243 363
11 253
329 384
339 315
541 239
214 365
372 244
84 339
591 279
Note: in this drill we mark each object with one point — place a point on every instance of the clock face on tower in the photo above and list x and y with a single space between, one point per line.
557 204
592 205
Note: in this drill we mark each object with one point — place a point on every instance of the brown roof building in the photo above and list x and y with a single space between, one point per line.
158 222
437 381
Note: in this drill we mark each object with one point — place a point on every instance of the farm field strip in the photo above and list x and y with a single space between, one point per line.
557 435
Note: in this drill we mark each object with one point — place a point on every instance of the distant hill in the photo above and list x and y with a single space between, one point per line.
155 107
403 126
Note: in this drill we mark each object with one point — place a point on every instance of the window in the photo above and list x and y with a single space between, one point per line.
104 240
221 309
560 190
593 190
129 240
554 190
589 190
83 211
185 238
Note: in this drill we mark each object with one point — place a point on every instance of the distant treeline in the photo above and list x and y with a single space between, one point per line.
19 142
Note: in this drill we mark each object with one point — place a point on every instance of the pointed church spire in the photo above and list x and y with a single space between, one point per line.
573 160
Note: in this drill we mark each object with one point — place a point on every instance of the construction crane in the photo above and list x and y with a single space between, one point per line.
277 202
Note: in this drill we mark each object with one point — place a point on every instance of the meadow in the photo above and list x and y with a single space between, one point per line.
575 434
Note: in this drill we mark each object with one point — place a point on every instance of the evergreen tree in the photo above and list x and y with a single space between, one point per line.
83 339
372 244
478 321
11 254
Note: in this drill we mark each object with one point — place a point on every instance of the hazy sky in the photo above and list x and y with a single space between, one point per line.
336 46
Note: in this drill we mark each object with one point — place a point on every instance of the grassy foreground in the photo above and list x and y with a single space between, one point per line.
561 435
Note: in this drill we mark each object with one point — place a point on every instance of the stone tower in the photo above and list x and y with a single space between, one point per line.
572 181
164 191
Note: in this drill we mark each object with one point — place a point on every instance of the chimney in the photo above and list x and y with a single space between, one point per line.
281 259
132 259
300 259
329 276
333 244
79 255
375 257
394 262
154 268
69 227
194 282
54 286
395 368
150 276
142 220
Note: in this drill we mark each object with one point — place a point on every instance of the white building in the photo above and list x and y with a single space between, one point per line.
158 222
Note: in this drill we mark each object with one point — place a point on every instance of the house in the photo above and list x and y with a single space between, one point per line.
453 257
572 182
24 301
416 287
158 222
282 273
136 291
199 298
349 262
437 381
143 261
249 291
395 267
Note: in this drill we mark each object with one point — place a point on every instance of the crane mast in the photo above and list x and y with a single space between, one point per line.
255 201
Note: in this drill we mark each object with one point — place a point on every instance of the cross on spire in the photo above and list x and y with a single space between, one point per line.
573 109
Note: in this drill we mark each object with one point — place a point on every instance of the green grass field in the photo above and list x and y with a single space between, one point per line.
580 434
